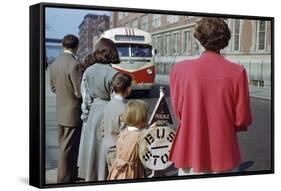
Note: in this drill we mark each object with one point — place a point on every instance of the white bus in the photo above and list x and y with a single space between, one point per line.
136 54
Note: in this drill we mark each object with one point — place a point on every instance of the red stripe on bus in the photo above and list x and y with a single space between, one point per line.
140 76
133 32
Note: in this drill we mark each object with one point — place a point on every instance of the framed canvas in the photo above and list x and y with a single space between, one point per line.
206 95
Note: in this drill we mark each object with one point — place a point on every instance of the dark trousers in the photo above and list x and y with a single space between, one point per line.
69 140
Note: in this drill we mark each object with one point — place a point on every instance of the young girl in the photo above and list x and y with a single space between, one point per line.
127 164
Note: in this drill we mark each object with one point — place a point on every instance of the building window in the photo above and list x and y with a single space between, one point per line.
135 23
154 42
187 42
159 45
188 17
172 18
195 47
235 26
261 35
144 22
156 20
167 44
176 42
236 33
121 15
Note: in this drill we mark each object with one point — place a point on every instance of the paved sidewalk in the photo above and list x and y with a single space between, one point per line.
255 91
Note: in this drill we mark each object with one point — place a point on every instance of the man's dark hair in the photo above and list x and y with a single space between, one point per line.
106 52
70 41
212 33
121 82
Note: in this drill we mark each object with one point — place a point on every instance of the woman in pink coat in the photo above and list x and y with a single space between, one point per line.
210 98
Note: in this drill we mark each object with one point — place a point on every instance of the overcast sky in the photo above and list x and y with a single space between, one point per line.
61 21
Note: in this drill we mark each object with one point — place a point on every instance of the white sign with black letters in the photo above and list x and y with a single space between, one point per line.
154 147
155 144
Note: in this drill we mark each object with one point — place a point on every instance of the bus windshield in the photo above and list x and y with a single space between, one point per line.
140 50
123 50
137 50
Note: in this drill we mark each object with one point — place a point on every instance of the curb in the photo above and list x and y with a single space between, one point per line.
164 80
260 97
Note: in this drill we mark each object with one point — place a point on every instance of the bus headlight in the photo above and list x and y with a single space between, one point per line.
149 71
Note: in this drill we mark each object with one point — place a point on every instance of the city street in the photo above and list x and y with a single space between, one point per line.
255 144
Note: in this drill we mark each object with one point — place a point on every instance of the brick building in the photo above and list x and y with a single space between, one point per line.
173 39
91 26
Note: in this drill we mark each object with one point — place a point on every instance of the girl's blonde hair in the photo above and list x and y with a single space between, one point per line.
135 113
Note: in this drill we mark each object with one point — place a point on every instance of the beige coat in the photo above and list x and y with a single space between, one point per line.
65 79
127 164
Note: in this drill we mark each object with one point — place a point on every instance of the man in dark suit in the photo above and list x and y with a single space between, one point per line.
65 79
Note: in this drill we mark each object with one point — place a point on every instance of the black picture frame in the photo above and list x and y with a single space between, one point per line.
37 92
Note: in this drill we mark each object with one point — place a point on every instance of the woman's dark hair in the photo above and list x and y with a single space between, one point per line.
212 33
121 82
106 52
88 61
70 41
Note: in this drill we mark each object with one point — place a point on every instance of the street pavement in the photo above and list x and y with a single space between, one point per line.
255 144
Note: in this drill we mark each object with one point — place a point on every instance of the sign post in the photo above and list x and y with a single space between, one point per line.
156 142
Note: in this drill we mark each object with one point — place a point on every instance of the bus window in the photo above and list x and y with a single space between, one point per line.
141 51
123 50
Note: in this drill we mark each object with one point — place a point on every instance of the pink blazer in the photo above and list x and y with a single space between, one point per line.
210 98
